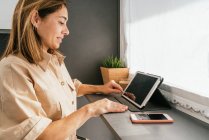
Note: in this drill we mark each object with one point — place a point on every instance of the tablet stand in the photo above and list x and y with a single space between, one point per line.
156 102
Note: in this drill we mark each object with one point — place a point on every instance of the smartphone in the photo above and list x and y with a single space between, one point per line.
151 118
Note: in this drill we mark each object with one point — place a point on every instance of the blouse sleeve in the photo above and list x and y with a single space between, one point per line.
77 84
21 114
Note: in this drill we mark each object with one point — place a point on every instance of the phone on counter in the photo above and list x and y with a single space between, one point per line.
151 118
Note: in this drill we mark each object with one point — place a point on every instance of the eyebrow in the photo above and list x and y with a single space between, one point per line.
63 17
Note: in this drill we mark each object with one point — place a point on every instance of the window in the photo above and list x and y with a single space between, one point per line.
169 38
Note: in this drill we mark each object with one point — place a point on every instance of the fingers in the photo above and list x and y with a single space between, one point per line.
105 106
116 86
117 107
114 106
116 91
112 87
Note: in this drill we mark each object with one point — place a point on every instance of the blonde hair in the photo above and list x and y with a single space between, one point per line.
24 38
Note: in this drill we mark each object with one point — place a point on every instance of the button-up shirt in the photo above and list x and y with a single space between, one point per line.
34 95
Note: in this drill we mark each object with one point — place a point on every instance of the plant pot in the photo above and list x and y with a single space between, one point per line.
116 74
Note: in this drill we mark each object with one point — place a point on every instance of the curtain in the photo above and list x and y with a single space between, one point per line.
169 38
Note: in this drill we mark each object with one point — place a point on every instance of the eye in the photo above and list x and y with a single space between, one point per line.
61 23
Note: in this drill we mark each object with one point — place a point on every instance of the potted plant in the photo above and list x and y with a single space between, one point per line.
113 69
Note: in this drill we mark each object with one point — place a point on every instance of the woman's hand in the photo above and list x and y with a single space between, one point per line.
104 106
111 87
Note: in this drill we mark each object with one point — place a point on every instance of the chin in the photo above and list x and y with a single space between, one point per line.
55 47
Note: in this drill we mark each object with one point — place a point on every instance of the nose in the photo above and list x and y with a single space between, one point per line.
66 31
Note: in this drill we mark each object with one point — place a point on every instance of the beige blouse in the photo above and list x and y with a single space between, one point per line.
32 96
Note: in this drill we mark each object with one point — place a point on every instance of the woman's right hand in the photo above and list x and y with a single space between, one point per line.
104 106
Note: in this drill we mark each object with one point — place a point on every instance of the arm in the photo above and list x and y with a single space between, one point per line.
110 87
20 106
62 129
71 123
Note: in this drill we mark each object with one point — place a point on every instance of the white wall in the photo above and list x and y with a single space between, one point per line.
6 12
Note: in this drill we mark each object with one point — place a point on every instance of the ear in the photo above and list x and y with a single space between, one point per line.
34 18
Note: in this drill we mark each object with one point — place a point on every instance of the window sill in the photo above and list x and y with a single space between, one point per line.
4 31
187 102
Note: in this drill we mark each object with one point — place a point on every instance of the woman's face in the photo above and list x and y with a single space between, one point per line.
53 28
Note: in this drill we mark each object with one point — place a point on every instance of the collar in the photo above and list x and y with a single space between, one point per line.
47 57
60 57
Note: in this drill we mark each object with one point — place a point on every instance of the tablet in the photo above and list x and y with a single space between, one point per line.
141 87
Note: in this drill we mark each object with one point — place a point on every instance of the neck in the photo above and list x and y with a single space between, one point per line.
45 49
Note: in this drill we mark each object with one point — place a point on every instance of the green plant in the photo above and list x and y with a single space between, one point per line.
113 62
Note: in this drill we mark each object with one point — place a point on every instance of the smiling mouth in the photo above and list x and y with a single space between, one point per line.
60 39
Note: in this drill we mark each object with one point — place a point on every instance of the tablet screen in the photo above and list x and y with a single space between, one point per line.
140 87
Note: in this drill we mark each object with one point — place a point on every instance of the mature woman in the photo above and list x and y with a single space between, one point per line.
37 95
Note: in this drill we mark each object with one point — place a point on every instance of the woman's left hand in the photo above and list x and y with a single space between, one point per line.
111 87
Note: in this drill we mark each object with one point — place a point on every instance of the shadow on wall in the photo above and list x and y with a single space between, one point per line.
3 42
150 8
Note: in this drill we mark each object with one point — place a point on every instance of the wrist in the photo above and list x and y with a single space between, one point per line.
90 111
99 89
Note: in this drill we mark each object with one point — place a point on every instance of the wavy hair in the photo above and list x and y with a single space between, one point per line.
24 38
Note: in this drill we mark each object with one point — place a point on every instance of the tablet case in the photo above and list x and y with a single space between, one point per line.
156 102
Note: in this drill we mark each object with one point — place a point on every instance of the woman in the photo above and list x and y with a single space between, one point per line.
38 96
